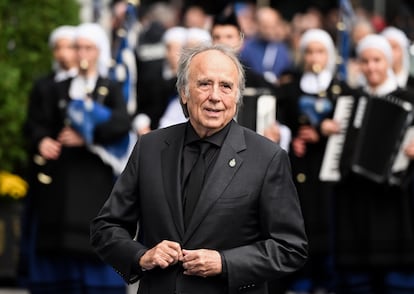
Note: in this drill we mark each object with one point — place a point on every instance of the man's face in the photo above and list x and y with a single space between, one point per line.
213 92
227 35
64 53
374 66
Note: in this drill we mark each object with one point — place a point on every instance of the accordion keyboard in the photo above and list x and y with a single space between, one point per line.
330 165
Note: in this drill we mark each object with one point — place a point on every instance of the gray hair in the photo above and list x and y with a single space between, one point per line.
187 56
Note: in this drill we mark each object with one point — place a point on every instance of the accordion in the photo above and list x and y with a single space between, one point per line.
258 110
372 139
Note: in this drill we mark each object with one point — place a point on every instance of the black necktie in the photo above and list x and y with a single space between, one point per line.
195 182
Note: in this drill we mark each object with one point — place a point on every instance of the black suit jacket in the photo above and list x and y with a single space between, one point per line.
248 210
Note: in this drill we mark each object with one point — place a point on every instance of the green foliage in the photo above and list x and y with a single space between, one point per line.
24 56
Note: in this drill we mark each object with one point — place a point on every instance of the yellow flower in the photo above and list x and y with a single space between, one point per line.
12 185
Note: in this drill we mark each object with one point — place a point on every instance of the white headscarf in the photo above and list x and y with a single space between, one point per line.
375 41
59 33
392 33
62 32
314 83
98 36
176 35
196 36
321 36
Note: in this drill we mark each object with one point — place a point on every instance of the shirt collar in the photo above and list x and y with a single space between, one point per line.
216 139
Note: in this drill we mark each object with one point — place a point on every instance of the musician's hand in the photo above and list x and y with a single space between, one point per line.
49 148
308 134
299 147
162 255
272 132
330 127
69 137
144 130
409 150
202 262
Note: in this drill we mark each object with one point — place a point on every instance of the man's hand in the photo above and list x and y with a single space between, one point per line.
164 254
49 148
272 132
202 262
69 137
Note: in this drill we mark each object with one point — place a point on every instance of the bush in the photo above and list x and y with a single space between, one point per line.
25 56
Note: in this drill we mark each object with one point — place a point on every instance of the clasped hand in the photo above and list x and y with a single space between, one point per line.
199 262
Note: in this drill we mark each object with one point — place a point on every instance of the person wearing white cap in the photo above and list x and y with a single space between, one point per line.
62 45
85 114
61 41
374 236
306 105
401 56
175 40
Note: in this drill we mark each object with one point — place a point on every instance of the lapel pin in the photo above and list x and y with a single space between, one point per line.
232 162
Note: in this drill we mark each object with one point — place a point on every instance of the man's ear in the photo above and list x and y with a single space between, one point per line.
183 97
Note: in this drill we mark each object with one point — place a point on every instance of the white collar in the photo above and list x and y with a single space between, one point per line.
80 86
315 83
390 85
62 75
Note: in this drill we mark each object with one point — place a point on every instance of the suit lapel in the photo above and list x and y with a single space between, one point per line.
171 169
227 164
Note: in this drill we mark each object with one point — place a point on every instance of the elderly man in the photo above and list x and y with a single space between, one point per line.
241 228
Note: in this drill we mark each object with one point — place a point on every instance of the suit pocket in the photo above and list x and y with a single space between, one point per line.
233 200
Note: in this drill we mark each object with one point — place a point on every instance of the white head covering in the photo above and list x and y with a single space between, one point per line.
98 36
59 33
176 35
392 33
375 41
321 36
314 83
198 36
62 32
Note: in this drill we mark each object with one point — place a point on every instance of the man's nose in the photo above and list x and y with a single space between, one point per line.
215 93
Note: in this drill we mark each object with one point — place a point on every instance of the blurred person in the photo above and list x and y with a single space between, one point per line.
361 28
124 32
245 13
400 45
193 37
374 242
175 40
70 175
151 101
301 22
240 226
305 104
226 31
267 53
195 16
61 42
64 66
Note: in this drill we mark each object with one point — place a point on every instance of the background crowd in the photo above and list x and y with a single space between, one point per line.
360 228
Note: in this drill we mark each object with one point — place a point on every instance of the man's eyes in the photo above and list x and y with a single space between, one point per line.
210 84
